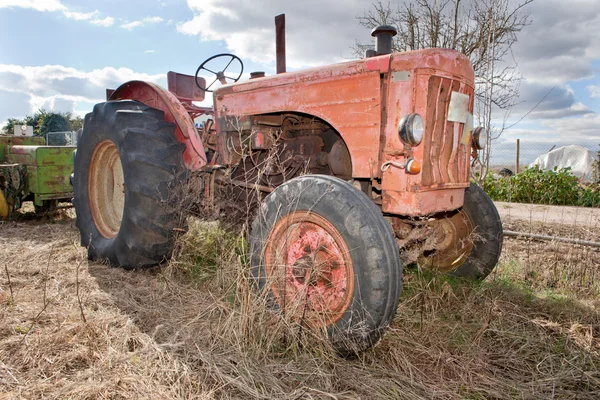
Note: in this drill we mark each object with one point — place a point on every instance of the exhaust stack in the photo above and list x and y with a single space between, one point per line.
383 41
280 42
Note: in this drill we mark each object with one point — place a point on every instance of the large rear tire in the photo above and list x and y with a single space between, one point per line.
328 259
126 165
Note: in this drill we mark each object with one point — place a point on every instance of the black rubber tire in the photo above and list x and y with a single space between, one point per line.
487 227
373 249
152 161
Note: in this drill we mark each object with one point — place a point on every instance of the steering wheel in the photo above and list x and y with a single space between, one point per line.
220 75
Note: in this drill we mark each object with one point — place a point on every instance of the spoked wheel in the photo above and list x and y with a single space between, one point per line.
126 165
471 239
328 259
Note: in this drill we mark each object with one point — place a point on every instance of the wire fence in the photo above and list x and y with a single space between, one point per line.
67 138
555 246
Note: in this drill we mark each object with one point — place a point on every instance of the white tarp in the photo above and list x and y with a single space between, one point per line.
578 158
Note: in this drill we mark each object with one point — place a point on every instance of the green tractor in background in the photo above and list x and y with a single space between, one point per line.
31 170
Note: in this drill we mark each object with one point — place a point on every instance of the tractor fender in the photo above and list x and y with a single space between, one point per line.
194 156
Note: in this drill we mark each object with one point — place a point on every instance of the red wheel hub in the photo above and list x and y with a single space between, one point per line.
310 268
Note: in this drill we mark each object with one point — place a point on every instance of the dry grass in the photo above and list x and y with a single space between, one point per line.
568 269
193 329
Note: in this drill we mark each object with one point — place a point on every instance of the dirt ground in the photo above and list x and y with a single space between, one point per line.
70 328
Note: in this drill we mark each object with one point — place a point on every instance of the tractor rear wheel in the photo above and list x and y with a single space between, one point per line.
328 259
472 240
126 165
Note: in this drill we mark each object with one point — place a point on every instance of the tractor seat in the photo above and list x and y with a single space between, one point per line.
184 87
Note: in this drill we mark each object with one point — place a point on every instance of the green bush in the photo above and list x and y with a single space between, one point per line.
596 171
558 187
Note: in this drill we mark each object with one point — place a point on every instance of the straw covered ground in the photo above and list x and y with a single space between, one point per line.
74 329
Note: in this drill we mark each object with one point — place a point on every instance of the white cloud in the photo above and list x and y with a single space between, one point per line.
560 44
149 51
106 22
39 5
93 17
312 38
594 91
80 16
136 24
60 88
55 5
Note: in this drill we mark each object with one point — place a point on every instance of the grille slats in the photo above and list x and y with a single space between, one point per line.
442 137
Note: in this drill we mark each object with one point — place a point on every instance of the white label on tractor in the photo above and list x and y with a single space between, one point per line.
23 130
458 110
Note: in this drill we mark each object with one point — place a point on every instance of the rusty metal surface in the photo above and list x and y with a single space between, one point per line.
348 96
443 152
323 93
184 86
48 168
423 202
49 180
280 43
363 101
454 243
7 141
339 159
436 73
310 268
41 155
153 95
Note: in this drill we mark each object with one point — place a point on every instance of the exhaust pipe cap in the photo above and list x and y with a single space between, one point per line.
384 29
383 38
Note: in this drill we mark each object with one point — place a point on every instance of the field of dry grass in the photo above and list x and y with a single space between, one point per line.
193 328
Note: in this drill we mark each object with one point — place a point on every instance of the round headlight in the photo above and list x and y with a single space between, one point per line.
411 129
479 138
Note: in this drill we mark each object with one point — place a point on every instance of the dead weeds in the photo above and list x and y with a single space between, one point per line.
194 329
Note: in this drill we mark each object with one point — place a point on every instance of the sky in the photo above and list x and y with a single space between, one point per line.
61 55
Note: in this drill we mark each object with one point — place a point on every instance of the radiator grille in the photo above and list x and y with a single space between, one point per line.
444 161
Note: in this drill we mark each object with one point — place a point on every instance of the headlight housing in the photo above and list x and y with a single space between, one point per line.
411 129
479 138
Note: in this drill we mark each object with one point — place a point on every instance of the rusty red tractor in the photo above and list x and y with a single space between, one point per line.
357 169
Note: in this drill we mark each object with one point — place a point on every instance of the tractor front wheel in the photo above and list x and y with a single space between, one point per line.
328 259
126 165
471 238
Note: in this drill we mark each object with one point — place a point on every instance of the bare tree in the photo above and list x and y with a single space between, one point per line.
483 30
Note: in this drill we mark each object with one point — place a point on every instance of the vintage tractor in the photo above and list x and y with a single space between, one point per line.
357 167
30 170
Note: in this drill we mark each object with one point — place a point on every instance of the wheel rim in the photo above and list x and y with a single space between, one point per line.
309 268
106 189
456 244
4 209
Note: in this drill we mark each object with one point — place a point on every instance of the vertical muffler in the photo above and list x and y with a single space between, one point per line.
383 35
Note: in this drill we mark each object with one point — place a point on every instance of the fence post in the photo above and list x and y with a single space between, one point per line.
517 158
